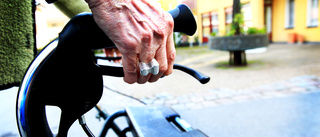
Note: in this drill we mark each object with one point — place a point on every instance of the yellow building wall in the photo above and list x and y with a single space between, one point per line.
168 4
280 33
205 6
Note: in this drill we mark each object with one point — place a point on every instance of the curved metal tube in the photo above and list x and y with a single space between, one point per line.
23 94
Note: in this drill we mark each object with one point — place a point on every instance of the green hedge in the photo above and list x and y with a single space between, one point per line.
16 40
16 36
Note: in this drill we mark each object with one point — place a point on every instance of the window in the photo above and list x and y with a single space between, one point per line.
289 14
206 24
210 23
228 13
214 22
312 13
247 15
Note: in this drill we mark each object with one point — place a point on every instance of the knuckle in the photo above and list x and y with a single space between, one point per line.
172 56
146 36
169 20
130 44
163 68
131 70
160 33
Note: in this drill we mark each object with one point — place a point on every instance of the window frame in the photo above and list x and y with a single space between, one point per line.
310 8
228 18
211 25
290 14
247 15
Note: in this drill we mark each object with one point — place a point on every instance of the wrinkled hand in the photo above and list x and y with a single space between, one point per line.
141 30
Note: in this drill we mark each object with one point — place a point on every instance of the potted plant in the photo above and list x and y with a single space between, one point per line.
300 39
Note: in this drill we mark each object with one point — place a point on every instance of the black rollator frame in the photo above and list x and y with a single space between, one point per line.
52 77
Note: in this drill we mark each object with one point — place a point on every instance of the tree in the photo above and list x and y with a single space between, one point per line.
238 57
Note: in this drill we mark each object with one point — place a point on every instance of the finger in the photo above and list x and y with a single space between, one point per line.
148 49
106 52
118 53
161 57
171 54
130 68
143 79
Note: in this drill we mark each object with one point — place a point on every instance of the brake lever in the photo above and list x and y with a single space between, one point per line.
203 79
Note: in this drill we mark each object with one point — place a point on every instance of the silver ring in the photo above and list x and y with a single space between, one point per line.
151 67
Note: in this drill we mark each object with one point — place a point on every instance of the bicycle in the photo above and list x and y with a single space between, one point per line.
50 78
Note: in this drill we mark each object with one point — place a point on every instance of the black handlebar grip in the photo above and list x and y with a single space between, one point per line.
83 34
184 20
83 29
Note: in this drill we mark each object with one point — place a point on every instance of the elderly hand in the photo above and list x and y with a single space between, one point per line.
141 30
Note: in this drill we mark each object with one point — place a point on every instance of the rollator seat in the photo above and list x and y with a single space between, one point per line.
158 121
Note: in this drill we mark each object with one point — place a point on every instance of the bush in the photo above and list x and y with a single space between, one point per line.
252 31
213 34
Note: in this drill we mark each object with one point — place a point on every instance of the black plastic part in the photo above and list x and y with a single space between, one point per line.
172 119
110 121
104 115
124 132
69 77
184 20
203 79
153 121
87 130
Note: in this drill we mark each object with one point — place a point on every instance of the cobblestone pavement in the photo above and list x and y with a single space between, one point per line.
282 70
219 96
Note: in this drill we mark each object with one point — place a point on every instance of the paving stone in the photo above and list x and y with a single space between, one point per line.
210 97
256 95
297 89
194 105
178 106
196 99
241 98
244 92
146 100
280 87
163 95
183 100
158 102
220 96
224 101
277 94
171 102
317 83
225 95
312 88
209 104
